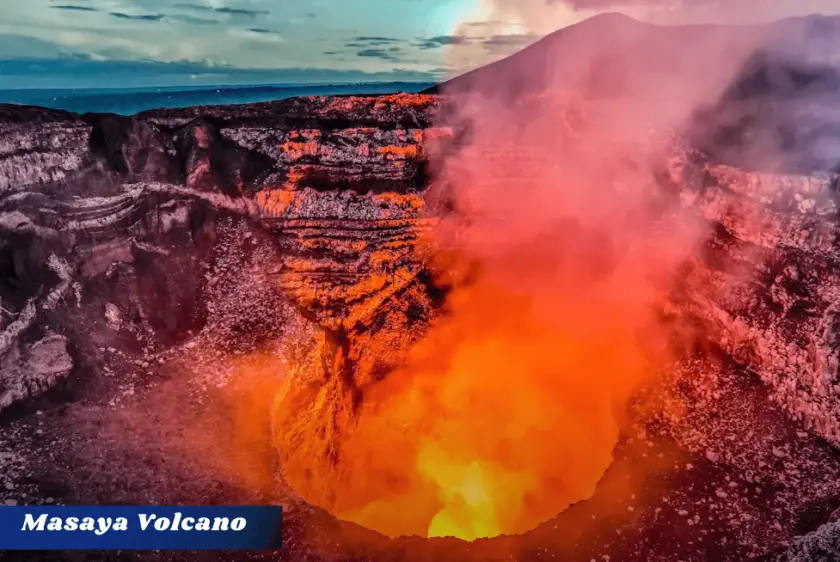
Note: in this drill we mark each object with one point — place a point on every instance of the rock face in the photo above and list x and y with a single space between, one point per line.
782 323
339 188
117 217
44 364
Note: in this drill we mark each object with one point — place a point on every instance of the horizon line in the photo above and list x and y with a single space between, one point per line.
205 87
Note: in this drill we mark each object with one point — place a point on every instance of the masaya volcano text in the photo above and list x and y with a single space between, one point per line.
145 522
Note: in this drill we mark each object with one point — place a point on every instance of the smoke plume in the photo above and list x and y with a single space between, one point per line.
562 239
567 243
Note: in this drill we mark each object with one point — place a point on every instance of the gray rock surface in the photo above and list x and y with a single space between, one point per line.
821 545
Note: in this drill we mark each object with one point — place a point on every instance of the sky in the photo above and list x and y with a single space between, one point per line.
110 43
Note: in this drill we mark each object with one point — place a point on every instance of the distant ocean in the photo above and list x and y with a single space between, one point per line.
134 100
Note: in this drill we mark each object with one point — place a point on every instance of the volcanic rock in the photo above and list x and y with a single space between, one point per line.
45 363
316 210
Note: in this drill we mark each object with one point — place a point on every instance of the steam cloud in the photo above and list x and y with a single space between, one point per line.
562 242
510 409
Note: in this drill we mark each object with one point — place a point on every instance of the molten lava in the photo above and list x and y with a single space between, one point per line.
506 413
470 493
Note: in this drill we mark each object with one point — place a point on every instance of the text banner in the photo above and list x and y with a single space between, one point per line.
140 528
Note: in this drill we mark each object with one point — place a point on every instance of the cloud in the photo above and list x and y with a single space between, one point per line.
220 10
14 46
501 17
493 23
80 70
372 42
193 20
143 17
374 39
492 43
253 31
441 41
665 11
511 40
372 45
74 8
383 54
257 34
609 4
188 6
240 12
503 45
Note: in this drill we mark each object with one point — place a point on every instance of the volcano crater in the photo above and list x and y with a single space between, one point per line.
203 332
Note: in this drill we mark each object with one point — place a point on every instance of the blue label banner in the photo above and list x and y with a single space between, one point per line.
140 528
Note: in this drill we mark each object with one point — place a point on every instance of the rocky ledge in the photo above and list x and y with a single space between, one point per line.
194 237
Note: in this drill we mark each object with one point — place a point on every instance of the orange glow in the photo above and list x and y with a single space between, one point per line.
473 495
404 152
506 414
560 254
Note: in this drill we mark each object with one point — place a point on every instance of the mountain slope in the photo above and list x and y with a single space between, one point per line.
604 53
758 96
